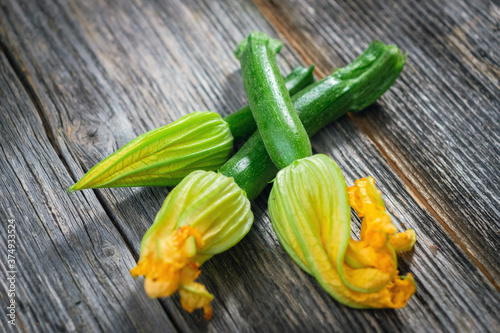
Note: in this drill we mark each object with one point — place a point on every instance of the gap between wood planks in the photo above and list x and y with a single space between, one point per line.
24 78
284 30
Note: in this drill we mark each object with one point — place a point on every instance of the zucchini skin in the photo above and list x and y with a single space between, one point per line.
241 122
284 136
348 89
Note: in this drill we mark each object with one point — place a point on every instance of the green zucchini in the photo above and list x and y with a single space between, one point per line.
349 89
241 122
283 134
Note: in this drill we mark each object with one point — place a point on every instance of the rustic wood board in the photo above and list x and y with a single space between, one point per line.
440 124
72 264
102 72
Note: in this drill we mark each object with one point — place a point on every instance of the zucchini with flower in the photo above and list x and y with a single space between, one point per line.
208 212
308 203
197 141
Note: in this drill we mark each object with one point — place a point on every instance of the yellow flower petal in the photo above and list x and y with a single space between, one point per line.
162 268
170 268
373 256
404 241
195 296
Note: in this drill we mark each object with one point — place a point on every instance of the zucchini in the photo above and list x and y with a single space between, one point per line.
283 134
207 212
348 89
241 122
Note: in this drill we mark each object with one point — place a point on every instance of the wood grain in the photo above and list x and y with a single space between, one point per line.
72 264
102 72
439 126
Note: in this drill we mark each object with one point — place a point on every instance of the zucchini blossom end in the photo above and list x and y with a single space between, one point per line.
206 214
310 213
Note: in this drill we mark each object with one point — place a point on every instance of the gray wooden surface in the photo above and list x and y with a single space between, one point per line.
80 79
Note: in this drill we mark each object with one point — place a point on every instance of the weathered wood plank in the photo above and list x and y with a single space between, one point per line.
440 125
105 72
71 262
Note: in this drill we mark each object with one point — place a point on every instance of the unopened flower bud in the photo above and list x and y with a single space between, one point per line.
164 156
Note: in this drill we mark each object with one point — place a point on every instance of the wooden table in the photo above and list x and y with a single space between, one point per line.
79 79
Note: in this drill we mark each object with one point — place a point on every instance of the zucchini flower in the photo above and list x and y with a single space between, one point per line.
206 214
310 213
164 156
366 200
